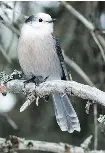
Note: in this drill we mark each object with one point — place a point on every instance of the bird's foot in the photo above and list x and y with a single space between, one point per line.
39 79
30 80
45 79
36 79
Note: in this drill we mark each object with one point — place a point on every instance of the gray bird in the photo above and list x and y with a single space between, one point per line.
40 56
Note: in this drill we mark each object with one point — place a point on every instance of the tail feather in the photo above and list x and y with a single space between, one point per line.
65 114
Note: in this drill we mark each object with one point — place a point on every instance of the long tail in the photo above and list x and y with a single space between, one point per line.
65 114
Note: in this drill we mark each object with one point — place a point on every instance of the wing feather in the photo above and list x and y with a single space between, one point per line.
61 58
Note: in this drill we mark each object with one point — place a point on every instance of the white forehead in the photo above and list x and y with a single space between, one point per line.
43 16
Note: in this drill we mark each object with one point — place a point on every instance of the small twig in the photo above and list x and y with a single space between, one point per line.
87 141
95 127
72 64
31 97
99 45
10 121
87 107
101 119
37 101
100 37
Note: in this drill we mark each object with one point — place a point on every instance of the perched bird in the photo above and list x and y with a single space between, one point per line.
41 58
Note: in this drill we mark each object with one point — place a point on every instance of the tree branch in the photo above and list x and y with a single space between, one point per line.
60 86
5 55
93 30
79 16
14 143
11 27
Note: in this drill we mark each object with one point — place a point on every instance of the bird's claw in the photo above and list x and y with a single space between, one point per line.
36 79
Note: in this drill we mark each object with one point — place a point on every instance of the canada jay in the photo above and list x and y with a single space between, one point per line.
40 56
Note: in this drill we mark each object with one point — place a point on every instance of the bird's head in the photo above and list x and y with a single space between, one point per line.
40 22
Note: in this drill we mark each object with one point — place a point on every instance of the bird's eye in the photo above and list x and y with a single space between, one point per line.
40 20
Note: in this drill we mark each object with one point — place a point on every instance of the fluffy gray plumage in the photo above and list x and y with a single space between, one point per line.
40 55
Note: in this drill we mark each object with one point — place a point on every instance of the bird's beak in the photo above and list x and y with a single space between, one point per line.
52 20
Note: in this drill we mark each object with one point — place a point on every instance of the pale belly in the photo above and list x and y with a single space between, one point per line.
39 59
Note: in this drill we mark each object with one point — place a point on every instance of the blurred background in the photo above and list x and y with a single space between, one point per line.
39 123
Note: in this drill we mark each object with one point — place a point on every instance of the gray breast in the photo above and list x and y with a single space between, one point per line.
37 56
